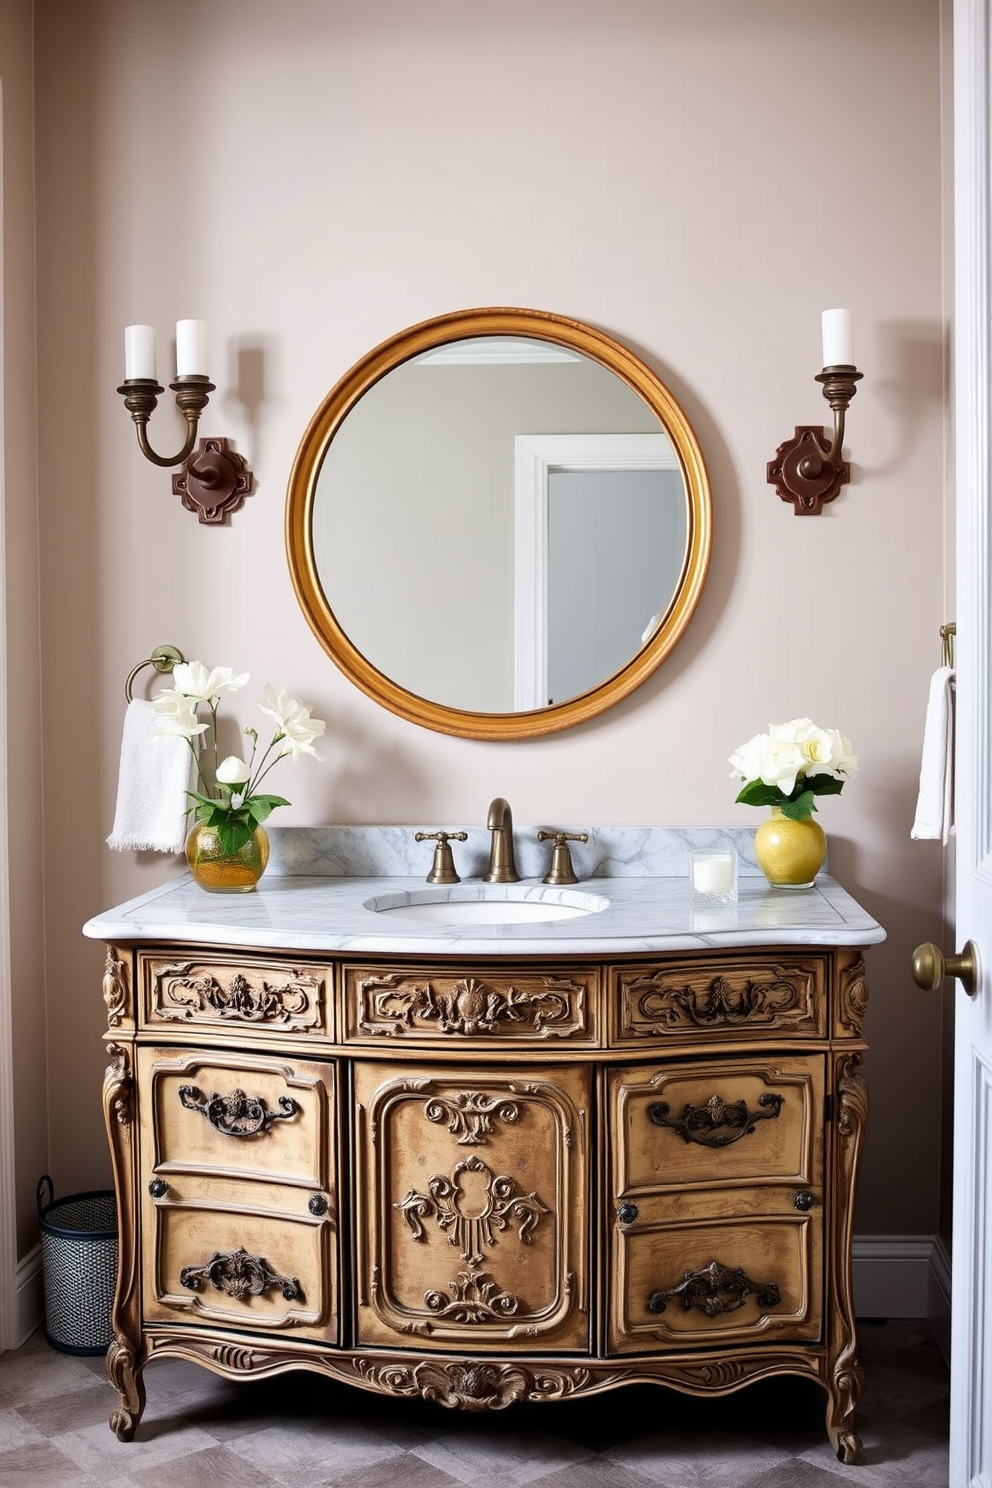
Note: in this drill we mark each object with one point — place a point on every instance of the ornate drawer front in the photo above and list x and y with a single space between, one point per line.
482 1007
730 997
265 1264
731 1280
237 1116
741 1120
472 1207
245 996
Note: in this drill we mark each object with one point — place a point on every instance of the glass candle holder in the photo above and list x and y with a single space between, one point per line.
713 876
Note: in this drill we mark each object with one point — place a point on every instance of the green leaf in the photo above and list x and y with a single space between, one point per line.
262 807
757 793
824 785
233 833
801 808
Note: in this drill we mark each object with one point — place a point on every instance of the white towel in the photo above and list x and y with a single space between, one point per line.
151 786
935 804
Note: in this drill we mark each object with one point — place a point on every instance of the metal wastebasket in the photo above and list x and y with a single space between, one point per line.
79 1262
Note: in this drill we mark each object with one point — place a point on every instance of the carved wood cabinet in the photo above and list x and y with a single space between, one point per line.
489 1180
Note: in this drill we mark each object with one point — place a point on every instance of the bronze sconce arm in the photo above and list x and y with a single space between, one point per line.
216 480
807 470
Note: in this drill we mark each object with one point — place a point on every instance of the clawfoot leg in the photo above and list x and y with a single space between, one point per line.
130 1387
843 1393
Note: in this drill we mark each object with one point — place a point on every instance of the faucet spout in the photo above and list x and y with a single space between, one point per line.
502 868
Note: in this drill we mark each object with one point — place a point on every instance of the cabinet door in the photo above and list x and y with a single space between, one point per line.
718 1213
239 1213
473 1199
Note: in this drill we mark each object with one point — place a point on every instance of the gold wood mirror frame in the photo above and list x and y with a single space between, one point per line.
413 342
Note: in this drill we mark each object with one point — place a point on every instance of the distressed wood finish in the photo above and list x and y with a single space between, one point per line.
537 1179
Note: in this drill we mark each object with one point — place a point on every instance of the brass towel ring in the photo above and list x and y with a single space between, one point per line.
163 659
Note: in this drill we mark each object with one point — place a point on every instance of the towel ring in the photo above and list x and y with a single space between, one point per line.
163 659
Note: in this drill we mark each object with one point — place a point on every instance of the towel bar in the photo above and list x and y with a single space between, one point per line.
163 659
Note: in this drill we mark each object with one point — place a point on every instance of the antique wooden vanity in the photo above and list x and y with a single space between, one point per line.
488 1163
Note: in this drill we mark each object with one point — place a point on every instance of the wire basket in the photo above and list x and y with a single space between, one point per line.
79 1262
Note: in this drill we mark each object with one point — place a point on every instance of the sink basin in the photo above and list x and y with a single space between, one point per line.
486 904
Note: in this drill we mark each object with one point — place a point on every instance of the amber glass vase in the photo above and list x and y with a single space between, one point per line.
790 853
225 873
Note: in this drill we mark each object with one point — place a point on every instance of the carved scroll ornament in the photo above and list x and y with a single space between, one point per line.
393 1004
183 992
472 1386
472 1226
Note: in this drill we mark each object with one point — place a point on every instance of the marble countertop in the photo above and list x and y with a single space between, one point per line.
645 883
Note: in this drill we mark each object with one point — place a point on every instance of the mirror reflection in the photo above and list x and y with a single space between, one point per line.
498 523
480 538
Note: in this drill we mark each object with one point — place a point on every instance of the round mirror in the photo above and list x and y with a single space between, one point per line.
498 523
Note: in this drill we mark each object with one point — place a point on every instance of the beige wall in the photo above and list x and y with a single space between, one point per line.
23 951
312 177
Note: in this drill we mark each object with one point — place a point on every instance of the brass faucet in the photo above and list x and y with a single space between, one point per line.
502 868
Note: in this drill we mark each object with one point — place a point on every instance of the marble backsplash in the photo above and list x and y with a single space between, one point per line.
391 852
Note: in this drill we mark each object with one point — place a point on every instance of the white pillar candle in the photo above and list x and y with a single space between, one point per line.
713 875
139 352
191 348
838 338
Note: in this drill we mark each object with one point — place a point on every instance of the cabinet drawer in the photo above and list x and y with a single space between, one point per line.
737 1121
471 1006
711 1281
239 1116
248 996
729 997
263 1263
472 1205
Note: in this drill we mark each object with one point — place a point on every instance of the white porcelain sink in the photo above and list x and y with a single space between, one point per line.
486 904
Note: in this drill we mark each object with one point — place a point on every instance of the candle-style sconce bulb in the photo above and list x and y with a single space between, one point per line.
216 479
808 469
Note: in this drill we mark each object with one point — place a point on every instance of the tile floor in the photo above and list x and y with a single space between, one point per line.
301 1431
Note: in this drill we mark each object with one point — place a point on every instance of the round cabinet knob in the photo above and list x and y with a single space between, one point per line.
627 1213
317 1204
931 966
803 1200
158 1188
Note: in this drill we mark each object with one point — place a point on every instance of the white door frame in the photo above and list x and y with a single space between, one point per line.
971 1294
536 456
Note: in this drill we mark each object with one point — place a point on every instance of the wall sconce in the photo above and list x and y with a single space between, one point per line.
215 480
806 469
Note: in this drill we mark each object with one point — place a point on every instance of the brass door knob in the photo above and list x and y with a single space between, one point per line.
931 966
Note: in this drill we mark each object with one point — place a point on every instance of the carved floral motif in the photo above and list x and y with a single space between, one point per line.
470 1115
472 1386
115 989
393 1004
492 1210
664 1004
183 992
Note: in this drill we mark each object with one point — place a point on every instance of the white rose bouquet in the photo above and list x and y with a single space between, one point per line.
791 765
230 799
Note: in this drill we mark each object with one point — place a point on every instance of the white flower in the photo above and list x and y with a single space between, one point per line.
793 751
843 761
293 721
194 681
233 771
177 715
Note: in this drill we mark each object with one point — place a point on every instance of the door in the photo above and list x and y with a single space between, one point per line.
971 1311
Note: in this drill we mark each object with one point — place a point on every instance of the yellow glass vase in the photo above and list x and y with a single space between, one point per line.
225 873
790 853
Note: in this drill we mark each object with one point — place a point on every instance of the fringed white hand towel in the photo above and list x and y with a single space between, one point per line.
935 803
151 786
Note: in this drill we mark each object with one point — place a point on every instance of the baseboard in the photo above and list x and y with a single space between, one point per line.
892 1275
30 1294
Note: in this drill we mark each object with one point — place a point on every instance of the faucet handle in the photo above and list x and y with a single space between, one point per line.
561 870
443 867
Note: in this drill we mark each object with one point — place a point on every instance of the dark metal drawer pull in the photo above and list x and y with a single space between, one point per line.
627 1212
719 1122
239 1275
237 1114
158 1188
716 1289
